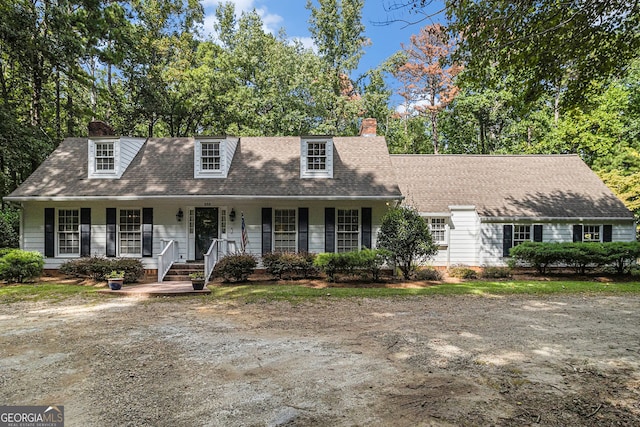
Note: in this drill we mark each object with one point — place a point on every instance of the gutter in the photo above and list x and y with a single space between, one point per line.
196 197
491 219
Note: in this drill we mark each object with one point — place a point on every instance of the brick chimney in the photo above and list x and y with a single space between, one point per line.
368 127
100 128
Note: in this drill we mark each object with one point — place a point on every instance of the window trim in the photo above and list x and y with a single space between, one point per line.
445 229
222 170
584 232
57 234
305 171
521 241
295 232
119 233
94 172
358 232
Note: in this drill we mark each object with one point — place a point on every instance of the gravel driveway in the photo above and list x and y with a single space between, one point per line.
441 361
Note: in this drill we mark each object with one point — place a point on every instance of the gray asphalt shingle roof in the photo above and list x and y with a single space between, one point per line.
553 186
262 166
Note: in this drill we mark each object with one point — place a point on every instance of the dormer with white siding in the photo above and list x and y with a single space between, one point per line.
316 157
213 155
109 156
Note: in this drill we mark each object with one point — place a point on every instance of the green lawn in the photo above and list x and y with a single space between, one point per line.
294 292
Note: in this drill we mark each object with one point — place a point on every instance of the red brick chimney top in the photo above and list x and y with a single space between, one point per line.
368 127
100 128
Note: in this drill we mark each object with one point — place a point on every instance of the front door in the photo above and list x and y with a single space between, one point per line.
206 228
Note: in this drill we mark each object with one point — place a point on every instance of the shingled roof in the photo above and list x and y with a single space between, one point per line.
261 167
532 186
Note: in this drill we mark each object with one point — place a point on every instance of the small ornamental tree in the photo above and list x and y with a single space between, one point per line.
406 235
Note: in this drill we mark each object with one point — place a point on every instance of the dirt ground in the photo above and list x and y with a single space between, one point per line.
420 361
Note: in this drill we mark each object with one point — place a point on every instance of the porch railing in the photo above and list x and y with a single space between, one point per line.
218 249
167 257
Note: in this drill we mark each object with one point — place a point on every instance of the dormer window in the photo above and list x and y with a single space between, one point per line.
210 152
104 156
316 157
212 156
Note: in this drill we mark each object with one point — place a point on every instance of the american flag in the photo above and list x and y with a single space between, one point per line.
245 236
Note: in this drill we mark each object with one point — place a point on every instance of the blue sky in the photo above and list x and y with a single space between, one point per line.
293 16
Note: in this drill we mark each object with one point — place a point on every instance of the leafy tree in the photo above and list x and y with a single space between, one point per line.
546 43
427 79
406 235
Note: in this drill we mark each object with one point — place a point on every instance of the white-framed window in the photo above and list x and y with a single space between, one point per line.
105 156
348 230
68 232
316 157
130 232
210 156
591 233
521 234
438 227
284 230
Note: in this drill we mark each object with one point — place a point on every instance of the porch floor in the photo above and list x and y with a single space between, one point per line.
157 290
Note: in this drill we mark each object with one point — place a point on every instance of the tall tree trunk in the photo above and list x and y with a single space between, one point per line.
434 130
58 115
69 108
556 107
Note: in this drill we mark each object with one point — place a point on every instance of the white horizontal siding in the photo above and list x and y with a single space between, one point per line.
464 237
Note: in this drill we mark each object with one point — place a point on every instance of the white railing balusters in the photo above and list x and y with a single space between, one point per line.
167 257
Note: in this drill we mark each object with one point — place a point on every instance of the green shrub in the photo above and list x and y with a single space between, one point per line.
97 268
9 228
366 261
18 266
287 264
492 272
462 272
331 264
428 273
236 267
622 256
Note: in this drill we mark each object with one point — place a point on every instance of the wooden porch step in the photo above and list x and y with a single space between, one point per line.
179 272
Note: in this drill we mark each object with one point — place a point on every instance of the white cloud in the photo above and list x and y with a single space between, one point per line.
271 22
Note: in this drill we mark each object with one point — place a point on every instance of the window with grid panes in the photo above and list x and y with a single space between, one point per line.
521 234
130 232
591 233
210 155
348 230
104 156
284 230
438 229
316 156
68 232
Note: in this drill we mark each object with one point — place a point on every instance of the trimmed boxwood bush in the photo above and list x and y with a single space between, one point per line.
428 273
235 267
289 265
18 266
493 272
366 261
462 272
622 256
97 268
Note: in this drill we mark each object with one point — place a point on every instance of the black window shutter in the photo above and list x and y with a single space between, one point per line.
147 232
266 230
85 232
111 232
303 229
329 229
49 232
366 228
607 233
507 239
537 233
577 233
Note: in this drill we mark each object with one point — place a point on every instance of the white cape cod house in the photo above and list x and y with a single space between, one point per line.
166 200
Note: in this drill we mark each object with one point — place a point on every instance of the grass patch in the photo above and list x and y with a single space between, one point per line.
42 291
296 293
